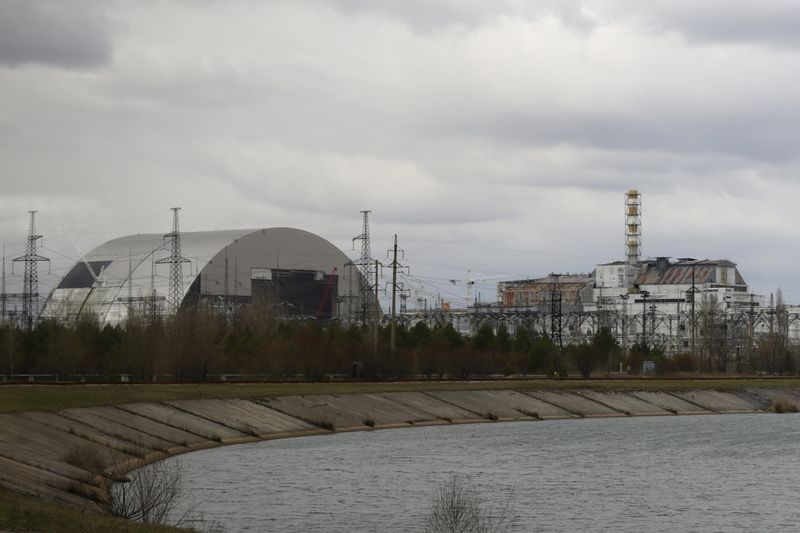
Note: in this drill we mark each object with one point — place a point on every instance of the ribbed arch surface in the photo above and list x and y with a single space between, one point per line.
122 274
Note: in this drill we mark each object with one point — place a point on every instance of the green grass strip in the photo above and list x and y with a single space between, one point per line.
16 398
22 513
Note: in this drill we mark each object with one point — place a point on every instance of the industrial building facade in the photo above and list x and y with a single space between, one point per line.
676 305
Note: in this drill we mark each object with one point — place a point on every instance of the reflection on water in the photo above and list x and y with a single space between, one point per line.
698 473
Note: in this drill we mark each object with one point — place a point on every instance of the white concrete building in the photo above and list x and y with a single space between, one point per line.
658 300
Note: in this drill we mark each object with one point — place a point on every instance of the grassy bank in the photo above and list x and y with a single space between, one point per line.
15 398
21 513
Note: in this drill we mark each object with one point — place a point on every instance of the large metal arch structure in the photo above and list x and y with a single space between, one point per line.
123 276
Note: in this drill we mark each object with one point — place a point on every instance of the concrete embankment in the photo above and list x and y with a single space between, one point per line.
70 456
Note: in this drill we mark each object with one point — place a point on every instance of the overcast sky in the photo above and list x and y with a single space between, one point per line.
497 137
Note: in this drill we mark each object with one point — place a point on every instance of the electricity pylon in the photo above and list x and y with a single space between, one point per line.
175 262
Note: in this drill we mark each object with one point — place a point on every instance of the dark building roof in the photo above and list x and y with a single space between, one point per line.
663 272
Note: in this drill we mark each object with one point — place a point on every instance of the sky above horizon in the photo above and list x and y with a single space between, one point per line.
497 139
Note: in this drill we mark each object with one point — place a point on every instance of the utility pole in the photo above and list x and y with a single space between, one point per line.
644 294
3 289
392 343
403 295
555 315
694 322
30 288
751 331
375 315
175 262
227 283
625 300
153 298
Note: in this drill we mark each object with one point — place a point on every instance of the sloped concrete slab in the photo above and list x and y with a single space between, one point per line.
244 416
528 405
486 404
767 397
149 426
671 403
56 436
627 403
33 458
718 401
117 430
318 410
39 483
437 409
575 403
166 414
348 411
383 410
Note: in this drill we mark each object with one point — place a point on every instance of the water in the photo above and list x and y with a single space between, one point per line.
688 473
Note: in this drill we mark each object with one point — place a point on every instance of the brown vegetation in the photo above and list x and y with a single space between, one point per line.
781 406
200 345
456 508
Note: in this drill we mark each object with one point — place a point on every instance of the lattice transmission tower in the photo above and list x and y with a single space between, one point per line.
175 262
365 264
30 284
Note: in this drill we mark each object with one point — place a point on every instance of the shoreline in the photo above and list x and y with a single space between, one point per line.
71 456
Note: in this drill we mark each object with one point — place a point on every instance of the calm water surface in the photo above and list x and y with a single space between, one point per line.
688 473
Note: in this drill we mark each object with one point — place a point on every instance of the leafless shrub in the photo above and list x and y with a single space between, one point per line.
87 457
781 406
150 495
456 508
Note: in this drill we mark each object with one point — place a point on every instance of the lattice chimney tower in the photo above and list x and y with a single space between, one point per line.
30 284
175 262
633 226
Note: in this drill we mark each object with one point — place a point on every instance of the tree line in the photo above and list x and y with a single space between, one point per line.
199 344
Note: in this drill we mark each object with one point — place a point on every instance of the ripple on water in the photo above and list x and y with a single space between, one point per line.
689 473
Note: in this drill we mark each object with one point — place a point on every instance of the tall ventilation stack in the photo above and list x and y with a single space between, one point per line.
633 227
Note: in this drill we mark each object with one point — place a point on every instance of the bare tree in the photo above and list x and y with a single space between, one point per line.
456 508
150 495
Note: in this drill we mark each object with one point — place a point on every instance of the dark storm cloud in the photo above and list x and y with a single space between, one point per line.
756 136
771 22
64 34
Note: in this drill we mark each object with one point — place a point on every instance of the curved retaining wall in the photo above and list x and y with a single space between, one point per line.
70 456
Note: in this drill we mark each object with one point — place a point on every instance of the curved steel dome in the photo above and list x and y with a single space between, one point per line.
308 275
